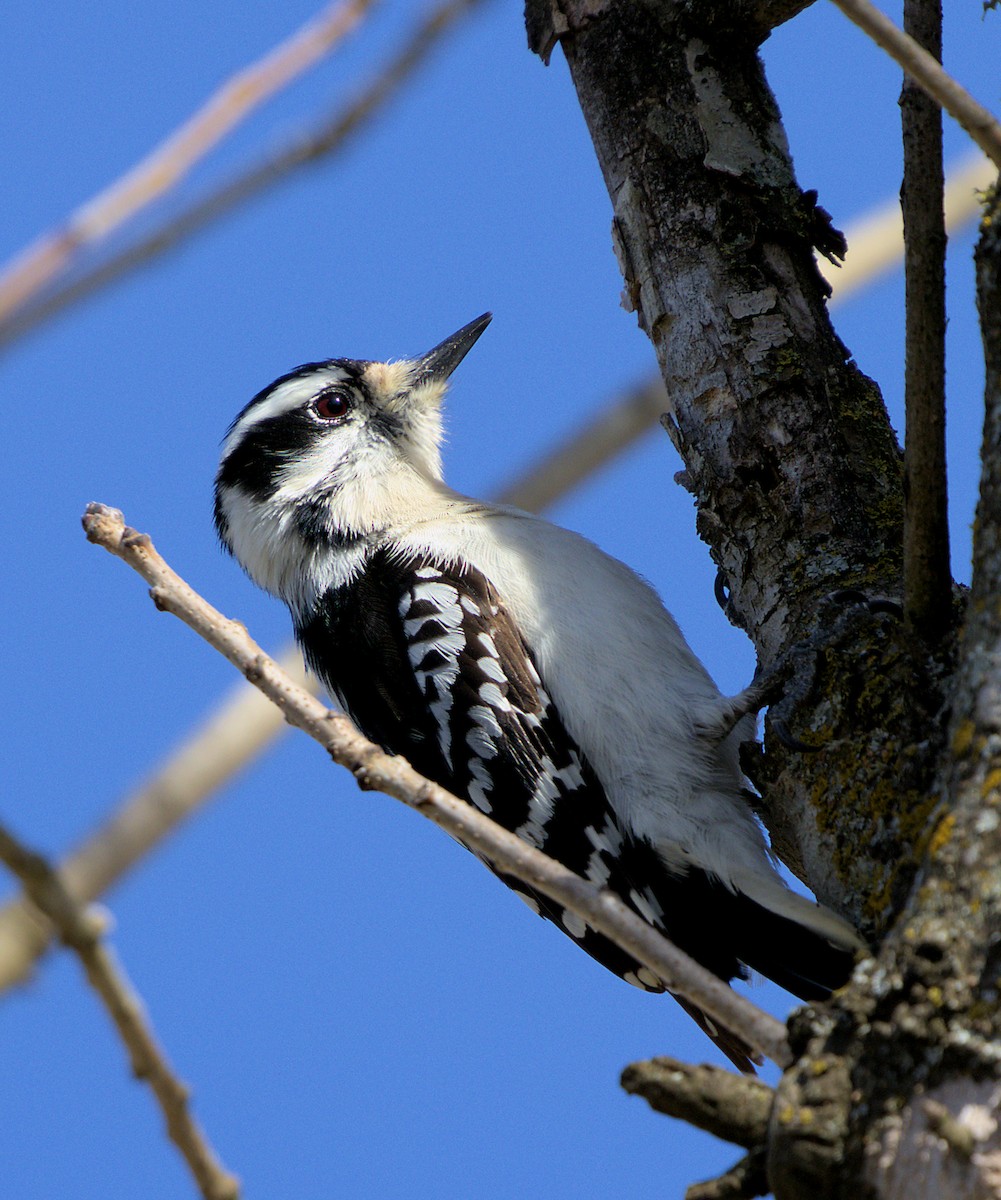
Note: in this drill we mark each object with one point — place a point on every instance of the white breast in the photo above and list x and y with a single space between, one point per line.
628 687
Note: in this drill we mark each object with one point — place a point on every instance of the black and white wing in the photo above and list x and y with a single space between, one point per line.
429 664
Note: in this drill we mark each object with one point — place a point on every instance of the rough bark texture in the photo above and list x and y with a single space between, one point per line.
733 1107
787 447
798 482
923 1025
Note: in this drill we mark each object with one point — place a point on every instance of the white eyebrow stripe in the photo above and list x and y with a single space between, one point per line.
282 399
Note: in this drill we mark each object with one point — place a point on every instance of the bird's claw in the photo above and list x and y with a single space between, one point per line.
781 731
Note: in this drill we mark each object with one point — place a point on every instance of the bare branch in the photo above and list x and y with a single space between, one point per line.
745 1180
613 430
927 573
242 726
735 1108
245 723
174 158
978 122
81 931
305 149
375 769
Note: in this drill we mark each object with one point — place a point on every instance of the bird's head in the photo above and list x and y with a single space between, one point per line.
331 450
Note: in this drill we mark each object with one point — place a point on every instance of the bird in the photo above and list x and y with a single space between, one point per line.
519 666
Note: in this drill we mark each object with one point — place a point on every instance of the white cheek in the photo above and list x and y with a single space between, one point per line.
316 466
425 441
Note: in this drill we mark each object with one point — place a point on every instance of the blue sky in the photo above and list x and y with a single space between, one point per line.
360 1008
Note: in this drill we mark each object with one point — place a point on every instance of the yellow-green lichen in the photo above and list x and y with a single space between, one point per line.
876 804
942 834
962 739
785 364
992 783
878 900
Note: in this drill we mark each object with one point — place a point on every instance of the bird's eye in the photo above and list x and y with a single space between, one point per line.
332 406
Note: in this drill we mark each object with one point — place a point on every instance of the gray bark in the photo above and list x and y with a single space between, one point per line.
795 469
798 483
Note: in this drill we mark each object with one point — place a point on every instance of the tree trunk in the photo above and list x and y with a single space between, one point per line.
797 477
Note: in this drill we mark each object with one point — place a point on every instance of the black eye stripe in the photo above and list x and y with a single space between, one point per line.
256 461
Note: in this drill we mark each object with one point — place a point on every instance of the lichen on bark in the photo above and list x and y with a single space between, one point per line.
787 447
896 817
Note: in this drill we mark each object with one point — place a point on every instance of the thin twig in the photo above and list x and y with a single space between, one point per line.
245 723
233 736
375 769
329 136
978 121
81 931
174 158
616 426
927 575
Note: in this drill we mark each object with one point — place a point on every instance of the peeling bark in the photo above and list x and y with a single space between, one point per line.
896 819
787 446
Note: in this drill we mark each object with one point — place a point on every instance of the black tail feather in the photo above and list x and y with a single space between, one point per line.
797 958
743 1056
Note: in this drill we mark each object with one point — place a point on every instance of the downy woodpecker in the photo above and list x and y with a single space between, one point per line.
517 665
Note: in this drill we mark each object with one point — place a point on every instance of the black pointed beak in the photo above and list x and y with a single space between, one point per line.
440 362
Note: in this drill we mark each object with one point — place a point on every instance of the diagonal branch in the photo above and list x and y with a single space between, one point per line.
744 1181
245 723
233 736
922 67
736 1108
615 427
81 930
876 242
175 157
375 769
327 137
